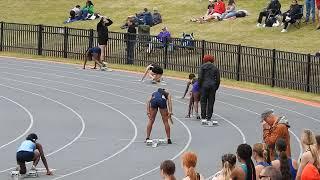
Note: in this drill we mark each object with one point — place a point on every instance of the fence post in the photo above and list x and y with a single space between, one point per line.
273 73
203 48
239 61
65 42
165 62
1 36
308 72
40 33
91 38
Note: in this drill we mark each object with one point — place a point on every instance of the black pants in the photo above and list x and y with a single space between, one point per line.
130 52
208 97
286 23
261 15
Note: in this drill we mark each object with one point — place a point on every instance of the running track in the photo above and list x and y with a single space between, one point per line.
92 123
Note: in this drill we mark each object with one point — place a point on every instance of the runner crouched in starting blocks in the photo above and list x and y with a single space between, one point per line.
155 72
28 151
161 99
95 55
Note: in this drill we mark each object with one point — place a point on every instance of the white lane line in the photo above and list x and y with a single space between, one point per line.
239 130
290 110
30 124
184 149
65 106
107 158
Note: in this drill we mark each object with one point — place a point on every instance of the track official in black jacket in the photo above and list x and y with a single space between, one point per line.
209 80
102 29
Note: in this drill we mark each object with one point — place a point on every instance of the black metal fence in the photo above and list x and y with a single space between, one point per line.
242 63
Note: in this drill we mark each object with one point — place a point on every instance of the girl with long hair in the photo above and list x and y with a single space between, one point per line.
189 162
311 154
286 165
244 152
261 156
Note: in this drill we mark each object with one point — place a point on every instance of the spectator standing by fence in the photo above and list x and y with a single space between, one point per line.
102 29
209 81
275 127
310 10
130 41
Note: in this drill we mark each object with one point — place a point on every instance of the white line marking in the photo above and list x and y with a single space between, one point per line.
29 127
79 116
105 159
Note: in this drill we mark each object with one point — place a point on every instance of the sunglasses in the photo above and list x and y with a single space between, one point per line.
262 176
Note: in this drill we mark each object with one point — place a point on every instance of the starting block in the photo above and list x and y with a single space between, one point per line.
30 174
204 122
155 142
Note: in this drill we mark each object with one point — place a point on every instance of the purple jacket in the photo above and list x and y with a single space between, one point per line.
163 35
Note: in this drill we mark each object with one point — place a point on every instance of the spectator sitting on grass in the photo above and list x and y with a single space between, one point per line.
231 10
273 8
291 15
75 12
147 17
87 10
208 16
219 9
157 19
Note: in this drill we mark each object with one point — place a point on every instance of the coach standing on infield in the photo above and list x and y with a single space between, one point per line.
209 80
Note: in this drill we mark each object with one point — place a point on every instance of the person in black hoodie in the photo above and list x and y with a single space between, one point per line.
102 29
209 81
130 41
273 8
291 15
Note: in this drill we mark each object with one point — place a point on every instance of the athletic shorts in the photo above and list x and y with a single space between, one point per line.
25 156
157 70
158 103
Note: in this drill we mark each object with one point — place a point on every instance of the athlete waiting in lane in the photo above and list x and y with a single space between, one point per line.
154 71
161 99
28 151
94 54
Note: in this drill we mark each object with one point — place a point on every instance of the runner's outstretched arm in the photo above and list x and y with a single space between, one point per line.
43 158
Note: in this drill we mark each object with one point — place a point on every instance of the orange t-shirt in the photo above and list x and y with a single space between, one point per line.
310 172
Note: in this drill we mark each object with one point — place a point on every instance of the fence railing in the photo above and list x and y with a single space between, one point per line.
241 63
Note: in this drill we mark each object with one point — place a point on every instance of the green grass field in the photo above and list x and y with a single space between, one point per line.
176 15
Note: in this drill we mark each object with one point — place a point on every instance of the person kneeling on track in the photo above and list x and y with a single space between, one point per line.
28 151
160 99
155 73
94 54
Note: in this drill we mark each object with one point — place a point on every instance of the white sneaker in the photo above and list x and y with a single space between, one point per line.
258 25
276 24
264 25
103 69
284 30
214 122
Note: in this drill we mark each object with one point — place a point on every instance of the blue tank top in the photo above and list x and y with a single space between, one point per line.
195 87
292 170
264 164
27 145
95 50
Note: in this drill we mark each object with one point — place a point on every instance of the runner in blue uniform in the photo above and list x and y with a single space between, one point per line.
28 151
161 99
94 54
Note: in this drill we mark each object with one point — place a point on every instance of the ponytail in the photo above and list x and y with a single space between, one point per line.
192 174
226 171
284 166
315 155
266 154
251 170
